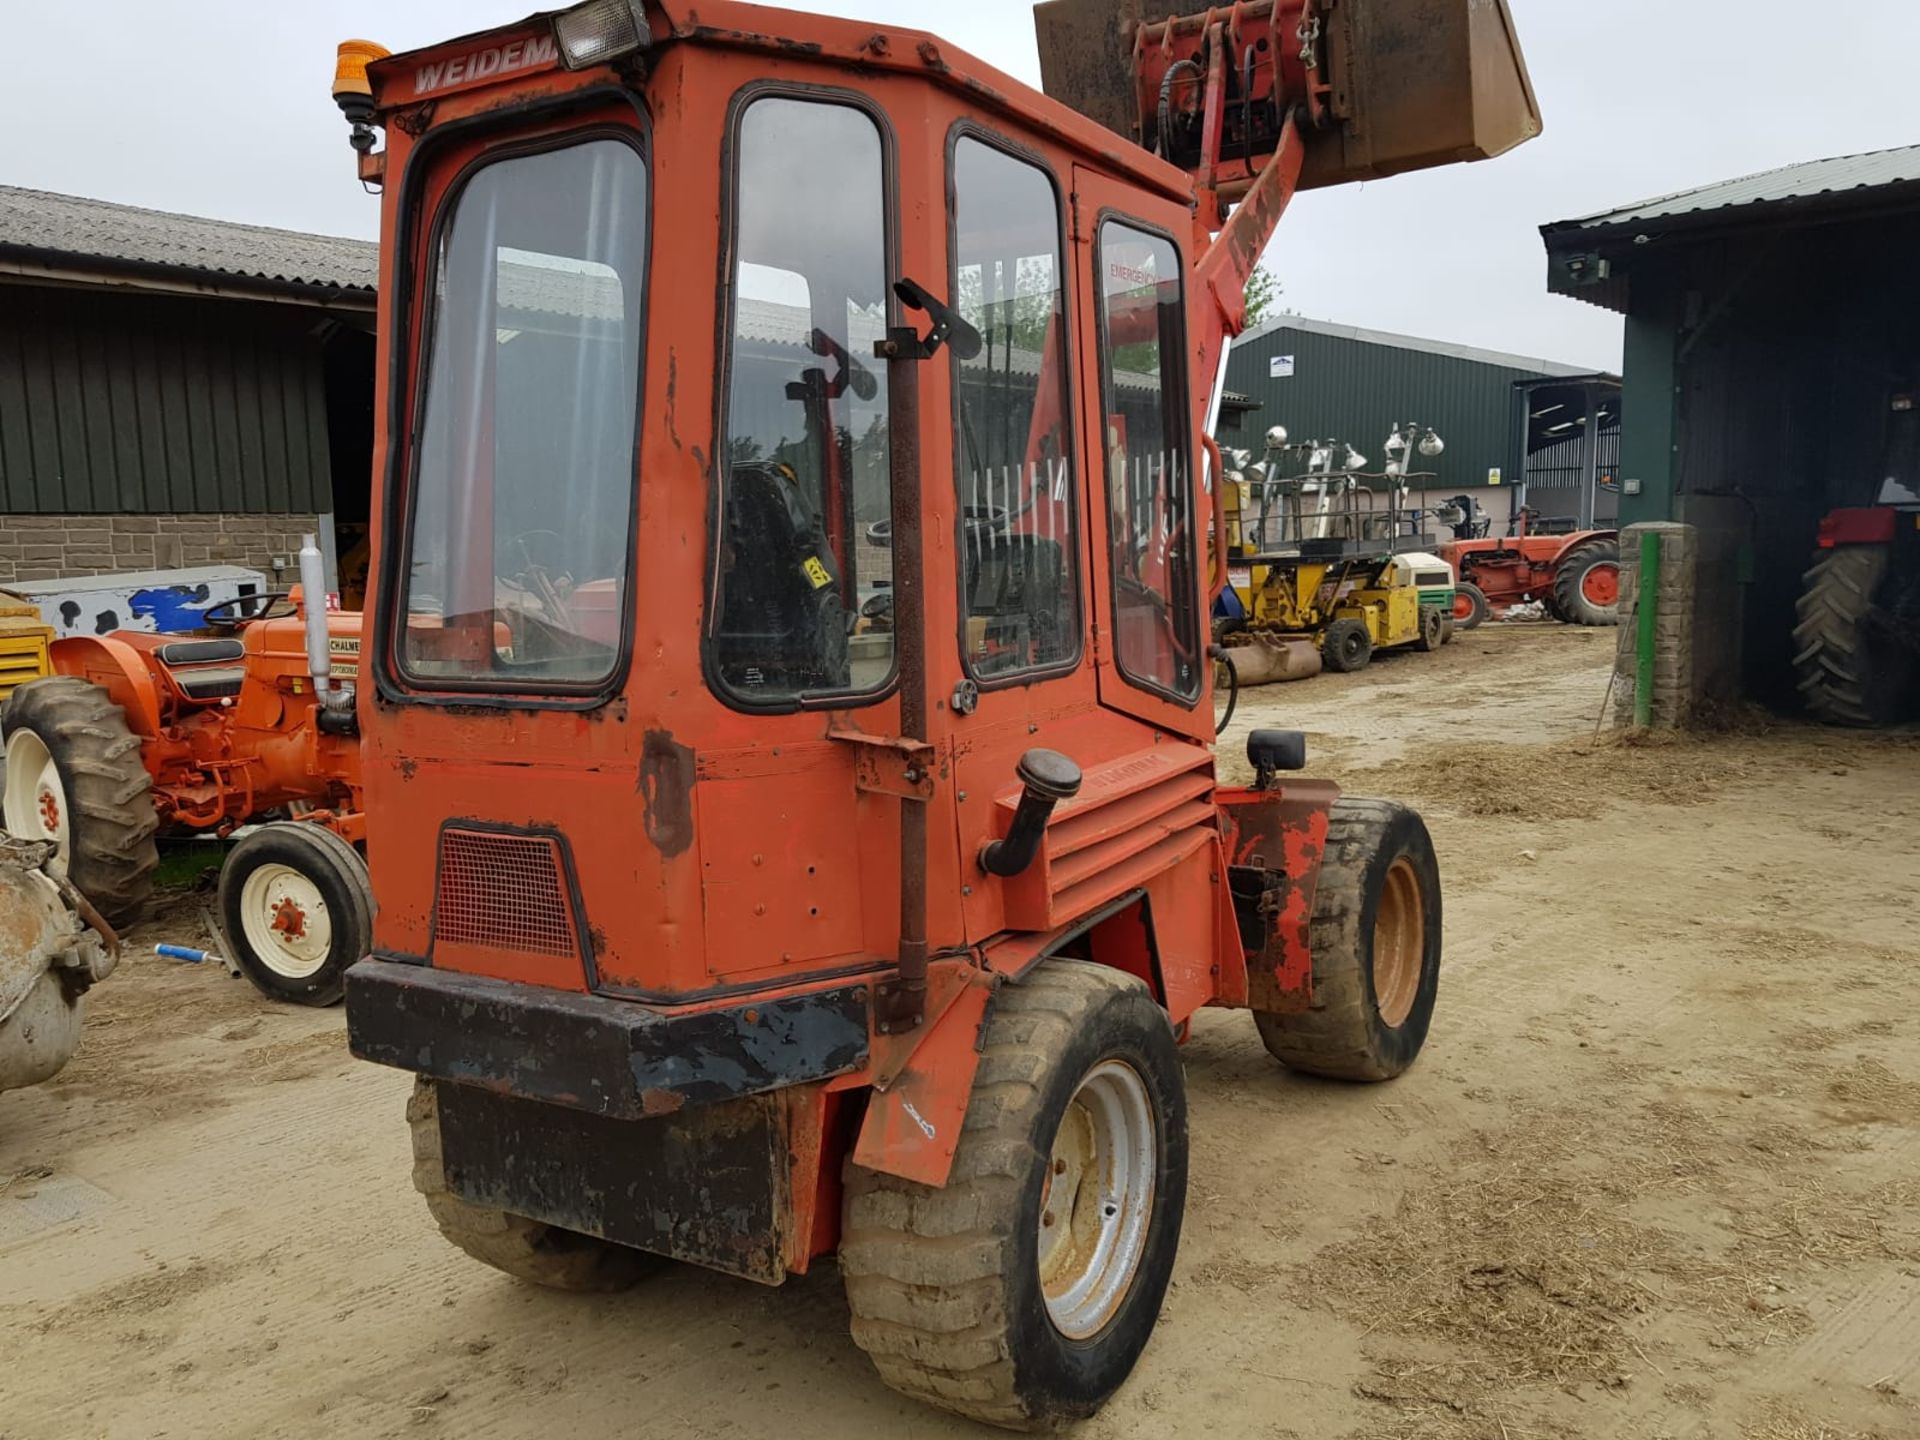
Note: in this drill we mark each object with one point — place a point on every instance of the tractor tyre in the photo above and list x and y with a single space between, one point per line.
1850 672
1022 1292
75 778
297 909
1586 586
1470 607
526 1249
1347 646
1375 937
1433 631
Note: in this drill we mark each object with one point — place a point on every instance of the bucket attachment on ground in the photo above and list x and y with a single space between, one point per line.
1272 660
50 956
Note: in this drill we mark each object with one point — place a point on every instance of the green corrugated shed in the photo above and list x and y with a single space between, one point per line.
1326 381
113 401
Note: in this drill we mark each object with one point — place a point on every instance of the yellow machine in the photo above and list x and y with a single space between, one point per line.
1326 588
1348 608
24 641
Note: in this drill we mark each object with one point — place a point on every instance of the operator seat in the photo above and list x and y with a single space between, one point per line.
784 624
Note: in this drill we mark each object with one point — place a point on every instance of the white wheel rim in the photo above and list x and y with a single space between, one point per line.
1097 1200
286 921
36 800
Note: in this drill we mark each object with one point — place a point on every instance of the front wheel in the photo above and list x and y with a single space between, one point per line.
297 908
1375 939
1347 646
1022 1293
1433 630
1470 607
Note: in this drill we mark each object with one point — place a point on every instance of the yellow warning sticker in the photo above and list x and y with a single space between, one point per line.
817 575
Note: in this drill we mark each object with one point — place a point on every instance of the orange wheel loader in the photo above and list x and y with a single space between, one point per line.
787 718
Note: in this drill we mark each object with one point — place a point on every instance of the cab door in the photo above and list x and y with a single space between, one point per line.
1146 511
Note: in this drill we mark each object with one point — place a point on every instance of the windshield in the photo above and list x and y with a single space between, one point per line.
520 536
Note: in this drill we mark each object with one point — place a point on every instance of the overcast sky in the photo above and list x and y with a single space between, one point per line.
221 108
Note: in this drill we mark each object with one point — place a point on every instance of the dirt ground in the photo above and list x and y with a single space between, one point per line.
1657 1175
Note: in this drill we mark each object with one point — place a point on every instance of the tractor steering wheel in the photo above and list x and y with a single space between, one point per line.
225 614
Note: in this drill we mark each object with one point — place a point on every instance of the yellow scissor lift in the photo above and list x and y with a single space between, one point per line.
1319 566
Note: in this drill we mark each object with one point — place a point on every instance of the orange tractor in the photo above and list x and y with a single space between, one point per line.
1575 576
136 734
788 740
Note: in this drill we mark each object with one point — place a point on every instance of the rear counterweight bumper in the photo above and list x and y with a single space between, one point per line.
603 1056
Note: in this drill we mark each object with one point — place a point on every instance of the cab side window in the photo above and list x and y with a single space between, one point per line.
1019 571
803 575
1149 470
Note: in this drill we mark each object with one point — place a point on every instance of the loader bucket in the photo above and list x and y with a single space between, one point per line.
1416 83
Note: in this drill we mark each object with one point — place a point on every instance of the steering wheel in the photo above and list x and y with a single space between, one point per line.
225 614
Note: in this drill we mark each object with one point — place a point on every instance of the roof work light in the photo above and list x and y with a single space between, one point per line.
599 30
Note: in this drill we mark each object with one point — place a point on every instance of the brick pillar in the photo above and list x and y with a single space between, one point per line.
1676 688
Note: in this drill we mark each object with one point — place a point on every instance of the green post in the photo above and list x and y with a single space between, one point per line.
1648 599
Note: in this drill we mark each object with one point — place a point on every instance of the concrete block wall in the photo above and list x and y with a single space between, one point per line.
56 547
1677 669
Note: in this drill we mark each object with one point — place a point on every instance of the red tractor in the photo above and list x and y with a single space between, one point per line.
1575 575
1857 643
821 850
137 734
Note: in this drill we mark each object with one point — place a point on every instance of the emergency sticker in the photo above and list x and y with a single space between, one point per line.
817 574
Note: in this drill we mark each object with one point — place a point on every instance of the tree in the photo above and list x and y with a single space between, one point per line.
1263 288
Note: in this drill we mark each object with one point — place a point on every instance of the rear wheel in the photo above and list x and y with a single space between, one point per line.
1023 1291
1376 949
1433 630
1851 673
1347 646
525 1249
1586 586
75 778
297 908
1470 607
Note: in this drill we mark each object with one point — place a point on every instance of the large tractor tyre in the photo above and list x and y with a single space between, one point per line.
1347 646
1470 607
75 778
528 1250
1586 586
1433 631
297 909
1376 949
1850 673
1022 1293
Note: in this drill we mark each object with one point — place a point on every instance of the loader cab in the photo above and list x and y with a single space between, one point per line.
647 481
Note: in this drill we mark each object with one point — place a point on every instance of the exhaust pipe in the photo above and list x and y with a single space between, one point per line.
336 703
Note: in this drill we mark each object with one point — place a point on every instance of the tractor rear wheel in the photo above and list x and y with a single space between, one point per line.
1023 1291
1586 586
1470 607
297 908
1851 673
75 778
526 1249
1347 646
1375 937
